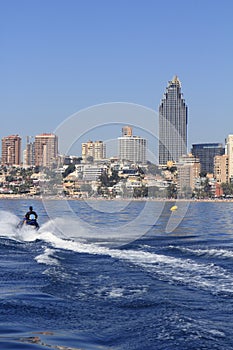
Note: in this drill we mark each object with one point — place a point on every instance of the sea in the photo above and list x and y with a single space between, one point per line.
119 275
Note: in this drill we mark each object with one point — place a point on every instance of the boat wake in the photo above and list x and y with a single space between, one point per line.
221 253
180 270
183 271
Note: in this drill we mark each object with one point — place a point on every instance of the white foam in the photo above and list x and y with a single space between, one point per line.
211 252
167 268
8 223
171 269
116 292
8 228
119 292
47 257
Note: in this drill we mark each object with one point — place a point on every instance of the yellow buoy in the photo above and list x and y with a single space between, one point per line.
174 208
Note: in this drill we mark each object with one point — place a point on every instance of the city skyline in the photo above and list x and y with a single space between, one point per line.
42 150
171 135
90 53
27 148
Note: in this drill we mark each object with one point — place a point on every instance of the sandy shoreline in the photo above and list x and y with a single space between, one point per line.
23 197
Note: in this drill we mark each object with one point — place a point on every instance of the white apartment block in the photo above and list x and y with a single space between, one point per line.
229 152
132 148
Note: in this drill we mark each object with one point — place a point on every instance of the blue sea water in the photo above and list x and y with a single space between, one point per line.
110 275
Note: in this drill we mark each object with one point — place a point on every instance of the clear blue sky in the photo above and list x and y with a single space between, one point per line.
58 57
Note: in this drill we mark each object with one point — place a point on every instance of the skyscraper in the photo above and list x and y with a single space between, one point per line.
46 150
11 150
132 148
173 114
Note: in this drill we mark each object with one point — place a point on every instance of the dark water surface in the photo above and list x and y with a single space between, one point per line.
61 289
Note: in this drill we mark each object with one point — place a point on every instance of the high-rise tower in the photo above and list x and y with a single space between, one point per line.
132 148
11 150
46 150
173 114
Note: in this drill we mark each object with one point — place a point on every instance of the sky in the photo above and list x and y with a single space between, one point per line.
59 57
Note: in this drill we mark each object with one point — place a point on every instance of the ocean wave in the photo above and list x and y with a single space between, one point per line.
208 252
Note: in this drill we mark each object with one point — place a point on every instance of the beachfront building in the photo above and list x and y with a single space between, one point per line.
188 170
229 152
131 148
46 150
11 150
206 153
221 168
172 124
92 172
96 150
